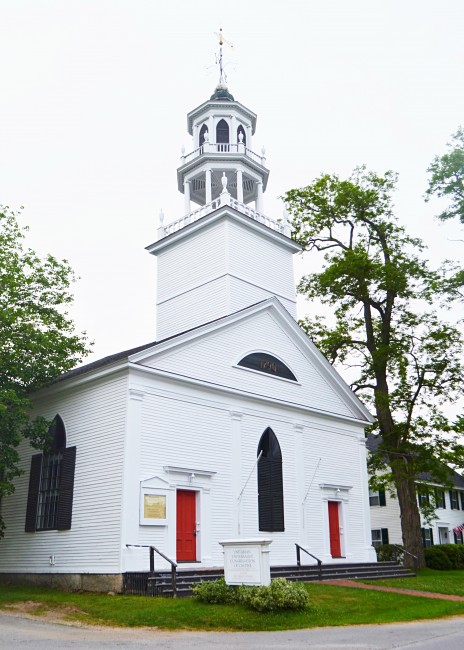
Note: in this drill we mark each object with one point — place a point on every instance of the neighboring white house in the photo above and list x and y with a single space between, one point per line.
231 425
443 529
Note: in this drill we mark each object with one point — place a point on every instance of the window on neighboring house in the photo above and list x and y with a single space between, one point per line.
440 499
270 484
377 498
51 483
454 501
462 499
423 498
458 537
379 537
427 537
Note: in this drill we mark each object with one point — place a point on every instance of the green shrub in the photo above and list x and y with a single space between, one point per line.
455 554
436 558
280 594
215 592
390 553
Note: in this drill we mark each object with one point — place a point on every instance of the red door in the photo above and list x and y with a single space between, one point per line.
334 529
186 526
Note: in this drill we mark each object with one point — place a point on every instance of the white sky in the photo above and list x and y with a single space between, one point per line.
93 114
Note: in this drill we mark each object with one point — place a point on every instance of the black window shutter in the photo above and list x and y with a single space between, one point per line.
431 536
277 496
455 537
451 499
33 494
423 536
384 535
265 493
462 500
65 501
443 499
382 501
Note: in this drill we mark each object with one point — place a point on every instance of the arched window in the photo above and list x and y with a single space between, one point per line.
222 132
267 363
51 483
270 484
241 131
203 130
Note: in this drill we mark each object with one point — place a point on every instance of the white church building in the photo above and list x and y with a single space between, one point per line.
231 425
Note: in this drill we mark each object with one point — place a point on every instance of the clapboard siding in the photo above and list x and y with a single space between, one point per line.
244 293
261 261
214 358
178 266
94 418
192 308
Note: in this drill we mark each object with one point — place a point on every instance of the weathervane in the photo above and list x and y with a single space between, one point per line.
222 40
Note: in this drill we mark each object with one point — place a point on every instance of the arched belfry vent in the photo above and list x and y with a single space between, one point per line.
203 132
263 362
222 132
270 484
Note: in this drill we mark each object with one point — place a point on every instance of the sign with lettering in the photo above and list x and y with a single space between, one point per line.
246 562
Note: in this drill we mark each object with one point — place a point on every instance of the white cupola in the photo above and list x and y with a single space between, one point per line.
224 255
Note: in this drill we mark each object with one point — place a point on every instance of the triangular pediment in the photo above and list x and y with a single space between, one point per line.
214 354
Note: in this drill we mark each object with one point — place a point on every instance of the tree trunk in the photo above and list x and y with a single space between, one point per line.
410 516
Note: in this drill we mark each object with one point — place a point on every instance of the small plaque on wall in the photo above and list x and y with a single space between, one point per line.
154 506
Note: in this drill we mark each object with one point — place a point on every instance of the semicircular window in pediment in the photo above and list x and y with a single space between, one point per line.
267 363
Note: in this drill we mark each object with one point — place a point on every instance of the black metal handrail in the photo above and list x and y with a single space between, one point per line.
298 558
173 564
414 557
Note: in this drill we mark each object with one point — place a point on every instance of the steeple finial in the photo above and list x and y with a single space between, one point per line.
222 75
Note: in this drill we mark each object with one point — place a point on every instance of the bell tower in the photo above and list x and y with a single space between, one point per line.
224 254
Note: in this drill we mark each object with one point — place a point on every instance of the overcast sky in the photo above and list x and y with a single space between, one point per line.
93 115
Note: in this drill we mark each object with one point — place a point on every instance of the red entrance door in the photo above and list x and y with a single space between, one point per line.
334 529
186 526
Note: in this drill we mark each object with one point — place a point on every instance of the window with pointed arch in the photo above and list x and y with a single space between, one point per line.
222 132
203 132
241 131
270 484
51 483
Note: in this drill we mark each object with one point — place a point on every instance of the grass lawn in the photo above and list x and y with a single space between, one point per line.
440 582
331 605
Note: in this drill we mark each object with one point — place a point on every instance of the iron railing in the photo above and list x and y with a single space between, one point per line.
138 582
298 558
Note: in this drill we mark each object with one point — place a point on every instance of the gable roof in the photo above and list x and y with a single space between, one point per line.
137 356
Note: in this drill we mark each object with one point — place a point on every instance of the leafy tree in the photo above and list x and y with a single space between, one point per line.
447 178
37 340
404 359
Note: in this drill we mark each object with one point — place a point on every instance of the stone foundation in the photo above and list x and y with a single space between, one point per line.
66 581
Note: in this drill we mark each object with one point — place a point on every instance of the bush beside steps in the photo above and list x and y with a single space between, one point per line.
280 594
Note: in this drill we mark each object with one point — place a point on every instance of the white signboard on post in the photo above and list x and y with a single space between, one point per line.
246 561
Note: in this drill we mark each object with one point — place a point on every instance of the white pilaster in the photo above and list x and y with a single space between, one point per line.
236 459
259 196
233 126
239 186
208 191
131 473
187 197
300 480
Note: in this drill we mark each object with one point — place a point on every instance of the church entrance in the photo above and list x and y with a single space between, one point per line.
186 534
334 529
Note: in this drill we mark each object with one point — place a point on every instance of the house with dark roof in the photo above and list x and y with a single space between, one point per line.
231 425
447 502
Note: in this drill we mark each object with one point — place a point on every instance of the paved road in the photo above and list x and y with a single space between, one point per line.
25 634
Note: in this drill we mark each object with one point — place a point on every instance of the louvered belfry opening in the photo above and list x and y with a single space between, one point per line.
222 132
51 483
203 131
270 484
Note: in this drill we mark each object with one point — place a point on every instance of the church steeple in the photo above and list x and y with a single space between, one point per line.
225 254
222 130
